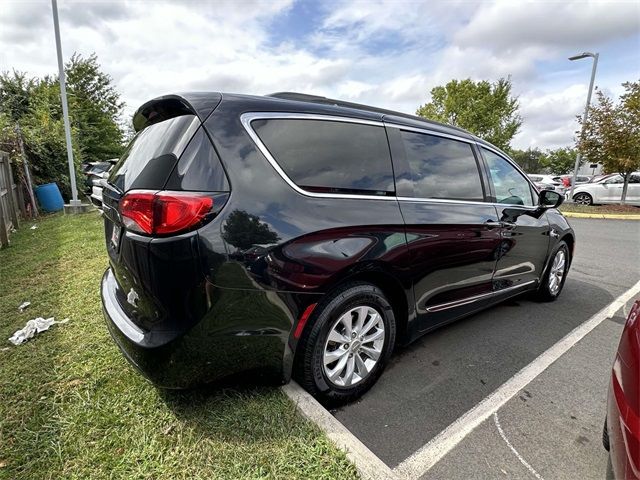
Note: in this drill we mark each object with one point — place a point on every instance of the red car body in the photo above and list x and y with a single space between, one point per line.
622 429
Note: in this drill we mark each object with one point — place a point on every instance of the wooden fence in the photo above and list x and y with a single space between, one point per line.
9 194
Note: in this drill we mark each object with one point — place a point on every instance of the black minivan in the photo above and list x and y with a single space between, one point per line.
295 235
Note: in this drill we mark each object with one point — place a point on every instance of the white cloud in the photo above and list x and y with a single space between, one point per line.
508 26
385 53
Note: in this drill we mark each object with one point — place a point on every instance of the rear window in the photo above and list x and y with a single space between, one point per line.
153 153
329 156
442 168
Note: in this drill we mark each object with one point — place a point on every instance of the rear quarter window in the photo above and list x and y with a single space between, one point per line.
153 153
330 156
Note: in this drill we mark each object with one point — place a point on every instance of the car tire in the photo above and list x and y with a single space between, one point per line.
556 274
335 359
583 199
605 436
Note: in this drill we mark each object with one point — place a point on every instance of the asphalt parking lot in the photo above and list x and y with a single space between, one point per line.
553 427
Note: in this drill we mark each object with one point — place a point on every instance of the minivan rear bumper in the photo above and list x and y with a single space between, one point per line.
221 344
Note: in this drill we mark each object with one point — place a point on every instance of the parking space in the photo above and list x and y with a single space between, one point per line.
553 426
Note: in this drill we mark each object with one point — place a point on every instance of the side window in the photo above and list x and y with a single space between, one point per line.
442 168
634 179
329 156
509 184
199 168
614 179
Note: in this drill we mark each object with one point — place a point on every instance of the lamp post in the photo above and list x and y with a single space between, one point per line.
586 109
65 111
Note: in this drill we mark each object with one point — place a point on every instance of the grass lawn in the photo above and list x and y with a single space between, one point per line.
72 407
617 209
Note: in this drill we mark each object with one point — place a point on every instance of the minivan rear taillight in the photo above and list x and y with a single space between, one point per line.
163 212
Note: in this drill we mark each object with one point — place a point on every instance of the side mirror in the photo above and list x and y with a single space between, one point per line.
549 199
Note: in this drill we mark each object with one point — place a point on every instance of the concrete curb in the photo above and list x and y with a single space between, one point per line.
369 466
601 216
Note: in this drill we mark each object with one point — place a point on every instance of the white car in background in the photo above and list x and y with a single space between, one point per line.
548 182
608 190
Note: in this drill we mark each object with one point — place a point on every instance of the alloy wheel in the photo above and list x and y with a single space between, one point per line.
354 346
557 271
582 199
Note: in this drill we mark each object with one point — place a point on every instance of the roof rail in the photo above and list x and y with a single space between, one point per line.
303 97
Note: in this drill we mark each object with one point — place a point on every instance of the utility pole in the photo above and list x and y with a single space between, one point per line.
586 110
75 204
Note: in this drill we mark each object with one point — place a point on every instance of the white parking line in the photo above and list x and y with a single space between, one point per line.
421 461
496 420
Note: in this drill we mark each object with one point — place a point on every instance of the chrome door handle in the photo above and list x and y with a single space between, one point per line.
492 224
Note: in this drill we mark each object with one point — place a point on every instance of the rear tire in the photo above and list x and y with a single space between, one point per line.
583 199
553 280
346 344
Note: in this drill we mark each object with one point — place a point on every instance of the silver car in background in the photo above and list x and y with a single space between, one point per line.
608 190
548 182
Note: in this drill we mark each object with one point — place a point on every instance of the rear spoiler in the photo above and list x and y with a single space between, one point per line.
163 108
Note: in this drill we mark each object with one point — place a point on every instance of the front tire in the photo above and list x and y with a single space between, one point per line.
346 344
553 280
583 199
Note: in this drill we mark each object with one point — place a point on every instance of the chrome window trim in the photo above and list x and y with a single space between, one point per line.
427 131
247 118
465 301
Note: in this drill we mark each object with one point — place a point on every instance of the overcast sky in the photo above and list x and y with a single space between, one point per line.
383 53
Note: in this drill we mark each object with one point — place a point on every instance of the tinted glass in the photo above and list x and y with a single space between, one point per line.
322 155
153 153
634 179
509 184
614 179
199 168
442 167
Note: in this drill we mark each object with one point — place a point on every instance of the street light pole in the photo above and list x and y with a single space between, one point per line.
586 110
65 109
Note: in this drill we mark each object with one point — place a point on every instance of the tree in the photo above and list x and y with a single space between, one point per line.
531 160
15 94
485 109
560 161
95 109
611 135
242 230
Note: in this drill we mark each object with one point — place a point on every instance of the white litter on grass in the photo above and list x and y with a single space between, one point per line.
23 306
32 328
33 227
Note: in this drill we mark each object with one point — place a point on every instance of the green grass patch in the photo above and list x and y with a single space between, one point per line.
72 407
600 209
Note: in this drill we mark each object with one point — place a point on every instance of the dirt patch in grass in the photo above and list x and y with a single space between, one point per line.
72 407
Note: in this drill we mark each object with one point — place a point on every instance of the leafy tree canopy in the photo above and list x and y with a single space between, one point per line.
486 109
34 104
611 134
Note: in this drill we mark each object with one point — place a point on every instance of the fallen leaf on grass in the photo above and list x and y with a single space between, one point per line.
3 464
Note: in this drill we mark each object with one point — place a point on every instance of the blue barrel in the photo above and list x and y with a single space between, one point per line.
49 197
